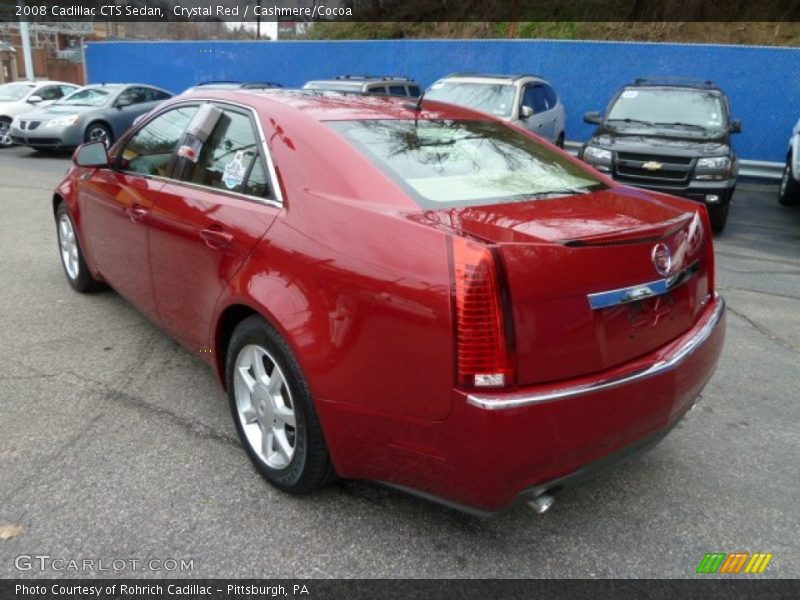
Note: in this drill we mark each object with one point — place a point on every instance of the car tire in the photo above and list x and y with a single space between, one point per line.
273 410
99 132
718 215
5 133
789 191
560 140
69 249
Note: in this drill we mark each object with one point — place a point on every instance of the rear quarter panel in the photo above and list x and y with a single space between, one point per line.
359 289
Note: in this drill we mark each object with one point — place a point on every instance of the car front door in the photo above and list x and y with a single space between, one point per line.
116 204
207 220
542 121
49 94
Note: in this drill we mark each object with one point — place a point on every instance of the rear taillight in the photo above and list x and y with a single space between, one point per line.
709 241
482 352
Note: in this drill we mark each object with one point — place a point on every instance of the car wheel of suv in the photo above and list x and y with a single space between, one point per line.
97 132
273 409
789 193
5 132
718 215
72 259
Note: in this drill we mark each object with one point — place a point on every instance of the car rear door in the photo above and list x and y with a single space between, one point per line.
207 220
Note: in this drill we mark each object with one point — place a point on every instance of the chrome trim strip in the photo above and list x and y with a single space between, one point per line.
658 368
641 291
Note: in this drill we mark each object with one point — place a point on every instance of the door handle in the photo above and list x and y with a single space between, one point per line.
137 213
216 238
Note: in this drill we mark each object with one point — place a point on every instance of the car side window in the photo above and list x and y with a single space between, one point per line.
413 91
378 89
150 150
50 92
534 97
137 95
231 159
397 90
159 95
550 96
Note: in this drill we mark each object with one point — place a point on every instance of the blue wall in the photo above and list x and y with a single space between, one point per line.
763 83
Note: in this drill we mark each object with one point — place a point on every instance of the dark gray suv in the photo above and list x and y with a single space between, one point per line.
670 135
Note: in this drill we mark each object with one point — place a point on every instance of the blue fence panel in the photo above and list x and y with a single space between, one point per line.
763 83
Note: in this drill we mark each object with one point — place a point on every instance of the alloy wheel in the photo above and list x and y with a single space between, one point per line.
785 180
69 246
5 133
265 407
99 134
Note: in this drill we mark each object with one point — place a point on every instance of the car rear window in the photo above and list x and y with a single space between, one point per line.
443 163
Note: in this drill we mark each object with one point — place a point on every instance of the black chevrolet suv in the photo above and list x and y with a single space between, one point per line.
672 136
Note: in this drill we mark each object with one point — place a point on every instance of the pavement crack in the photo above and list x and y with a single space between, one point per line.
53 458
771 259
191 426
786 345
756 272
760 292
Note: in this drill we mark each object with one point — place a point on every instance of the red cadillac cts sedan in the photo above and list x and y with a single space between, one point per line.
421 295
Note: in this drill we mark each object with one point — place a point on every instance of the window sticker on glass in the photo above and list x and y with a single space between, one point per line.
234 171
630 94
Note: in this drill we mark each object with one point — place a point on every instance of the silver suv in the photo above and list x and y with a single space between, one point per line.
528 100
368 84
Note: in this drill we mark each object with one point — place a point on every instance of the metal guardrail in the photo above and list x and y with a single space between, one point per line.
752 169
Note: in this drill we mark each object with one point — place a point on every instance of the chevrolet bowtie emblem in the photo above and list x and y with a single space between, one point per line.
652 165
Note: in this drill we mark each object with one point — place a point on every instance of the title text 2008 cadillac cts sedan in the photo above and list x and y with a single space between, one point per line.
419 295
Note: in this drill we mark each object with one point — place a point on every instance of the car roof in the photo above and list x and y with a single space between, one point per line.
23 82
236 84
491 77
358 81
675 82
323 105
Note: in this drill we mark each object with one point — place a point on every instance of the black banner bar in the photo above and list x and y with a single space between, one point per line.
399 10
401 589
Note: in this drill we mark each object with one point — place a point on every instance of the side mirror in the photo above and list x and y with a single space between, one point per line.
34 99
525 112
592 118
91 154
736 126
123 101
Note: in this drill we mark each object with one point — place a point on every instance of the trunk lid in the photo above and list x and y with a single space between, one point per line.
557 253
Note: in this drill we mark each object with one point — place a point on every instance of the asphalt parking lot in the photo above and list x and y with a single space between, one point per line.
116 443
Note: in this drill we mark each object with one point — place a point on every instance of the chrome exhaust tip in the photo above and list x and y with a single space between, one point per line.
542 503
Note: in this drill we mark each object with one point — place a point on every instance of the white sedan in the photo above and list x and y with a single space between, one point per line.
19 97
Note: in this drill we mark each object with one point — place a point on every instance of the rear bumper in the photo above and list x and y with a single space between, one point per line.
496 448
549 436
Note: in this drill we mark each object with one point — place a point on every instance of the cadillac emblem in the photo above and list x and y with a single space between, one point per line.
652 165
662 259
